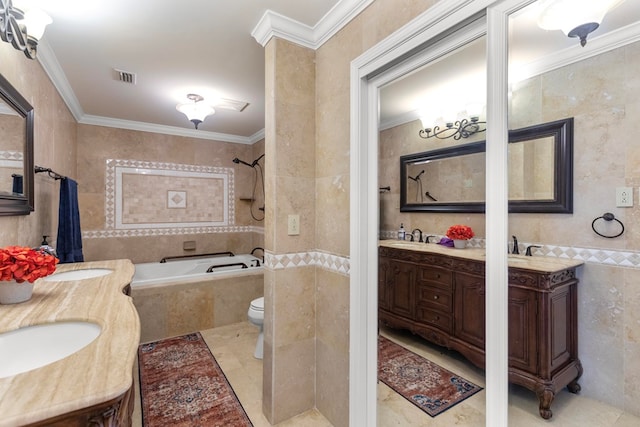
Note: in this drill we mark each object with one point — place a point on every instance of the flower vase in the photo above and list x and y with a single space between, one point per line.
12 292
459 244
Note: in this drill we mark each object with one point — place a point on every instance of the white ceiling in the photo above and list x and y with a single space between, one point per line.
214 48
173 48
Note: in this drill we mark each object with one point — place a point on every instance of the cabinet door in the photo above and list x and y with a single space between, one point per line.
385 278
523 329
469 309
402 288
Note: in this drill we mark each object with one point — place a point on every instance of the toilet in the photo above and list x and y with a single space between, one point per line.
256 317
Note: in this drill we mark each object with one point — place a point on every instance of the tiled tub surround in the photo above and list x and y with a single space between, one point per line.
185 306
98 373
165 216
153 195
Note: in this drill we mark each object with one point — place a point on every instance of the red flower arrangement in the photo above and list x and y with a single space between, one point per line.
460 232
25 264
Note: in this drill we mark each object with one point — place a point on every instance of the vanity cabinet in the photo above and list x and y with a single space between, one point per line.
442 298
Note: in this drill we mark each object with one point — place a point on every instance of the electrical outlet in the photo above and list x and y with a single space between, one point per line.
293 225
624 197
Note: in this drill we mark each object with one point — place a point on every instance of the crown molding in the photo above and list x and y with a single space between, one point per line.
52 67
168 130
273 24
595 46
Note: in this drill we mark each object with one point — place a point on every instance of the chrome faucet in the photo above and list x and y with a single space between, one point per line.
413 234
515 246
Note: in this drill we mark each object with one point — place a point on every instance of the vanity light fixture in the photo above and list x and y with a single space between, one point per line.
463 128
22 26
576 18
197 110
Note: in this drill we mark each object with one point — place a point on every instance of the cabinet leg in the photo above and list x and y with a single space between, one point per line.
545 397
574 387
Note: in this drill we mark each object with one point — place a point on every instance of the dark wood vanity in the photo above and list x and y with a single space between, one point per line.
441 297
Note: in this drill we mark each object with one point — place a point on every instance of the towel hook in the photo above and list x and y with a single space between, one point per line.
607 216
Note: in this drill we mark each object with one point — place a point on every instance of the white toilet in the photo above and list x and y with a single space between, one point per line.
256 316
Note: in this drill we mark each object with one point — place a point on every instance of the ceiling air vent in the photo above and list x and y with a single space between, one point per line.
125 76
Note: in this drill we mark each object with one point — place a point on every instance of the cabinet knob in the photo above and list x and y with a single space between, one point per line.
436 318
436 296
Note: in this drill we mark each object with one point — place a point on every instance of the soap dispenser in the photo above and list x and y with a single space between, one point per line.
401 233
45 247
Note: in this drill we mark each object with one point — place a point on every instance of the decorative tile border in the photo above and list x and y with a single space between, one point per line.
334 263
146 232
618 258
11 159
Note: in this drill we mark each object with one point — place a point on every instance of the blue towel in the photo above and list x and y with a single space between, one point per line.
69 242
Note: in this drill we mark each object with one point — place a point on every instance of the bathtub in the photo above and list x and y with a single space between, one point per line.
181 297
188 270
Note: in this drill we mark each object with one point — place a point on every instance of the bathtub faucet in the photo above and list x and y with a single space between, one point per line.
258 248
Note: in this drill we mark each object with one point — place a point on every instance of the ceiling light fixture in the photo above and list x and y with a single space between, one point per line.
197 110
463 128
576 18
22 26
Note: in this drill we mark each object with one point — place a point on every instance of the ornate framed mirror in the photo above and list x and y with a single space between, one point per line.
453 179
16 152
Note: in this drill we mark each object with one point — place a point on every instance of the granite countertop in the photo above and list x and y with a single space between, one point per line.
534 263
101 371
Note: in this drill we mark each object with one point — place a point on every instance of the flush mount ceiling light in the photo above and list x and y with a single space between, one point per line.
197 110
22 26
576 18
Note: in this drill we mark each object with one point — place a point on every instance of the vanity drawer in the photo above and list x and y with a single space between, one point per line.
434 318
437 276
434 297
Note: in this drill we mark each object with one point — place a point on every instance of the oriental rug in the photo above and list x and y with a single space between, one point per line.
182 385
425 384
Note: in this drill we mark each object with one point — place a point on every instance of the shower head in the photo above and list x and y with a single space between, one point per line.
237 160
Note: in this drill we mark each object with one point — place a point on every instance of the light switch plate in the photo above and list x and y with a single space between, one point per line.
624 197
293 225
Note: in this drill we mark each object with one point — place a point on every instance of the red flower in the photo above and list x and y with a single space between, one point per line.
460 232
25 264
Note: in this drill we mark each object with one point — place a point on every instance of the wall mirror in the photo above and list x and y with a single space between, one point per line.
453 179
16 152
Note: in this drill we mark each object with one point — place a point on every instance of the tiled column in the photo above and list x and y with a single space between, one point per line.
289 345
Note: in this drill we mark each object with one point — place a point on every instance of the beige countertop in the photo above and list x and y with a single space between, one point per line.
535 263
101 371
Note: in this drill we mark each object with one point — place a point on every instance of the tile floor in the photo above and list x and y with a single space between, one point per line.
233 347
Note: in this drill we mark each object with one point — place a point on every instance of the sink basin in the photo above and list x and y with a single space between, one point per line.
35 346
87 273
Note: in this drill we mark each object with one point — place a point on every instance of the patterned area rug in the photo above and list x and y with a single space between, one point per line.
428 386
182 385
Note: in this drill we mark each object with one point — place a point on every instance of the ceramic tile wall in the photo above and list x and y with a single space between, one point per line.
54 147
602 94
176 309
289 342
107 149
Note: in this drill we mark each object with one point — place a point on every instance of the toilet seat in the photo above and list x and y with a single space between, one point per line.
257 304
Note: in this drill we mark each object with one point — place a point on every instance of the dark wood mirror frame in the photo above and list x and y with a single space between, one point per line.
11 203
562 133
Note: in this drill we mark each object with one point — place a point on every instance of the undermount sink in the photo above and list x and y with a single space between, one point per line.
32 347
87 273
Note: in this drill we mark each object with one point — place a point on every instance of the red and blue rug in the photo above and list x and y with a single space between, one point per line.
182 385
427 385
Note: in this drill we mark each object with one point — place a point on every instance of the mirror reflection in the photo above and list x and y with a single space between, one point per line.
16 152
13 131
452 179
